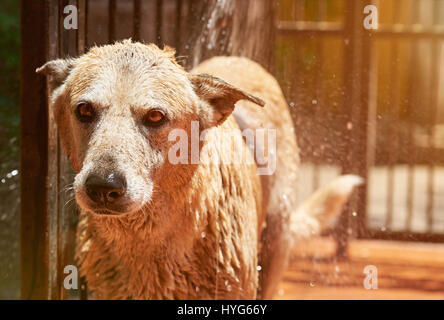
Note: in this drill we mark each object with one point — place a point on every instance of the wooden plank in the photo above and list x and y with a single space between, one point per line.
53 163
34 155
69 41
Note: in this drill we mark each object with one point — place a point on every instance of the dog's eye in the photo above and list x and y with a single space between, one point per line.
85 112
154 118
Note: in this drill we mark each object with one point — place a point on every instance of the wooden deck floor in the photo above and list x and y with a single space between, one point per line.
405 271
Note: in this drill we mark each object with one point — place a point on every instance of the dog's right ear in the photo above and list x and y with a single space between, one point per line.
220 96
57 70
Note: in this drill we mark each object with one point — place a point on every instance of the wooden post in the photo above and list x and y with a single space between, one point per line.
354 126
34 152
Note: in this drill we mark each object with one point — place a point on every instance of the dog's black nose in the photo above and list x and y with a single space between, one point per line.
105 190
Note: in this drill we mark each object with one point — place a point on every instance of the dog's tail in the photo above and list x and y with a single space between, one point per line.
322 207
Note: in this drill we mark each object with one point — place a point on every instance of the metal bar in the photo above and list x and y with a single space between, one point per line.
319 98
350 99
68 39
409 31
55 20
159 22
34 224
299 10
178 27
435 67
322 10
82 43
321 27
112 7
319 109
403 236
61 49
137 18
76 45
355 123
86 31
362 127
82 31
392 134
396 31
411 118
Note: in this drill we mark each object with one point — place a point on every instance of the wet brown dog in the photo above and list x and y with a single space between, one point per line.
166 216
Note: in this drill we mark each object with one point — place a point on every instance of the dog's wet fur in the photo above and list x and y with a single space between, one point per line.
151 229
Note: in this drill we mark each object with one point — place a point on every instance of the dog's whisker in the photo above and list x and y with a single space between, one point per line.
68 203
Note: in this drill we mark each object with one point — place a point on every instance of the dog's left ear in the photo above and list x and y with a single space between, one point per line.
220 96
57 70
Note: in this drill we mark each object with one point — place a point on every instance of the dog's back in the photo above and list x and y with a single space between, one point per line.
283 219
279 185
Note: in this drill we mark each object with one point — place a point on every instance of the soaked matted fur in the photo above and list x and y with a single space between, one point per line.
185 230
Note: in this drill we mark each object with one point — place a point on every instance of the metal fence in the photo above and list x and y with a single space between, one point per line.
345 133
372 122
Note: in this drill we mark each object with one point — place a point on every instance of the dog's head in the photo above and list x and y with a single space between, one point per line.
115 107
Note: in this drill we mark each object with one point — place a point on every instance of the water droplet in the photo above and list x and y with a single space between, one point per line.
197 289
229 288
14 172
312 284
314 101
259 268
203 235
292 104
226 282
3 180
354 214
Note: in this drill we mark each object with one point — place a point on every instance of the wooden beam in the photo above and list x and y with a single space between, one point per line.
34 151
